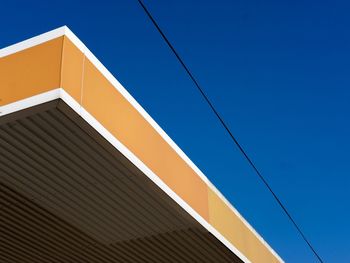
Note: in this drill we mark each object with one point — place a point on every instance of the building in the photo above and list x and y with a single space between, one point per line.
86 175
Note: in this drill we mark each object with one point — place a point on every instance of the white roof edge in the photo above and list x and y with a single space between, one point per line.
65 31
31 42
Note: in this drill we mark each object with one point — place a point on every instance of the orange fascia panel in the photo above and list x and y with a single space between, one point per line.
72 69
60 63
31 71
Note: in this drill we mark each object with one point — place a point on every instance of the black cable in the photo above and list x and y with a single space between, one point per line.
229 131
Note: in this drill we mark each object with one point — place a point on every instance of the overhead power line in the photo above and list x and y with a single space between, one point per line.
234 139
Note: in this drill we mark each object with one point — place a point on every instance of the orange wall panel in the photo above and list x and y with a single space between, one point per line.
118 116
72 69
30 72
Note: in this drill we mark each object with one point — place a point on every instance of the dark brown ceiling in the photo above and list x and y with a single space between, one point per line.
67 195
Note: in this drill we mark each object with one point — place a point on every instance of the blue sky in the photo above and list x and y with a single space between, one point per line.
277 71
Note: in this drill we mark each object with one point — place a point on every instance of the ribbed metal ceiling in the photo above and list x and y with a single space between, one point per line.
67 195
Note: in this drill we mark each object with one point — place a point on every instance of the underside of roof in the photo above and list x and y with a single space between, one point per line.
67 195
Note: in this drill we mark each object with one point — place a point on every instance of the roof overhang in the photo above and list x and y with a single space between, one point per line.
84 161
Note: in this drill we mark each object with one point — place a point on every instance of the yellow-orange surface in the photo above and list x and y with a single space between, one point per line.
31 71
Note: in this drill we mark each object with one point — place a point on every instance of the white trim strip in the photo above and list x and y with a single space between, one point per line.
67 32
31 42
30 102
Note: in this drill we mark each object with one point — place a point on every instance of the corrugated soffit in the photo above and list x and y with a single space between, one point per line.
67 195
